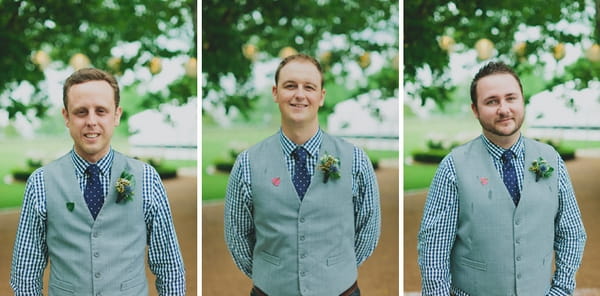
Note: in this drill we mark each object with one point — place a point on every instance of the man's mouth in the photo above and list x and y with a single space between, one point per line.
91 135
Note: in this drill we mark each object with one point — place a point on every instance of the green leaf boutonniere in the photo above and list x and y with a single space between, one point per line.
70 206
124 186
541 169
330 166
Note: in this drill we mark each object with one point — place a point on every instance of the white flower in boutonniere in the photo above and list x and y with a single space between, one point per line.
125 185
330 166
541 169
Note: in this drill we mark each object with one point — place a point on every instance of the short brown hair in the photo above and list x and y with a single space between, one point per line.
303 57
490 69
91 74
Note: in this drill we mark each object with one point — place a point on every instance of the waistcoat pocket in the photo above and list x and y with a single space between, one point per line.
334 259
131 283
472 263
270 258
58 287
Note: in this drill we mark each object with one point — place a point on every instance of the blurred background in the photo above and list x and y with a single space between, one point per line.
552 45
357 42
150 46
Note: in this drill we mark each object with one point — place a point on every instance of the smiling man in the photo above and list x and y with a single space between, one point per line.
93 212
302 207
500 207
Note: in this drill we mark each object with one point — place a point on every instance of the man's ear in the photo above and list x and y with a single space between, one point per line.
474 109
274 93
65 115
118 114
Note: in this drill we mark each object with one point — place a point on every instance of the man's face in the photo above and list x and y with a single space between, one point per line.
500 106
298 93
91 117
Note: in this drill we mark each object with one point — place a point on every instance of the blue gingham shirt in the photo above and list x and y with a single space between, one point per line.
239 223
438 226
30 254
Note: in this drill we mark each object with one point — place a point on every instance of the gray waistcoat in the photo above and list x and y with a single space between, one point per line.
101 257
501 249
302 248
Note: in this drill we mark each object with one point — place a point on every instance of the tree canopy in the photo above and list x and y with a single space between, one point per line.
236 34
35 34
433 28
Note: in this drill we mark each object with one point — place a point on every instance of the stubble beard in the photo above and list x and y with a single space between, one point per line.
491 128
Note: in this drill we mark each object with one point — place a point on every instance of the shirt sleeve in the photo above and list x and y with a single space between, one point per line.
366 207
569 238
437 232
164 256
30 252
239 223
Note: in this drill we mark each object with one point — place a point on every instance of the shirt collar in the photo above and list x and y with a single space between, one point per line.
312 145
81 164
496 151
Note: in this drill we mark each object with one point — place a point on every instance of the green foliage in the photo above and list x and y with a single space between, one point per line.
95 28
425 22
227 26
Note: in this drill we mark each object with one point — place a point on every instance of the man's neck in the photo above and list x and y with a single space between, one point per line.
503 141
300 134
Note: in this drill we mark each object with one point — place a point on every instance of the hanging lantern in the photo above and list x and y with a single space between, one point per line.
286 52
593 53
446 43
79 61
191 68
325 57
41 58
155 65
484 48
558 51
520 48
114 64
250 51
364 60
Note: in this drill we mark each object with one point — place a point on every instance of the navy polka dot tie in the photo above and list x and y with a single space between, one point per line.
509 176
93 193
301 178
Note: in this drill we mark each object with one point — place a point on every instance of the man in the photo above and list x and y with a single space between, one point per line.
92 212
500 207
302 207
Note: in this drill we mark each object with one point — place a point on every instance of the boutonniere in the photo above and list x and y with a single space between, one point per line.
276 181
330 166
483 180
70 206
541 169
124 186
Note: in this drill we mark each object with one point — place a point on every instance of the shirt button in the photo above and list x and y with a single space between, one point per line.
96 254
97 275
302 238
303 256
517 222
302 273
518 241
95 235
518 258
302 220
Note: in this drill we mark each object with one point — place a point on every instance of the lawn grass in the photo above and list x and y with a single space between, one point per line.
15 153
417 130
217 143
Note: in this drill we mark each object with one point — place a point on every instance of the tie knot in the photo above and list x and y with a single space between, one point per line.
507 155
300 153
93 170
